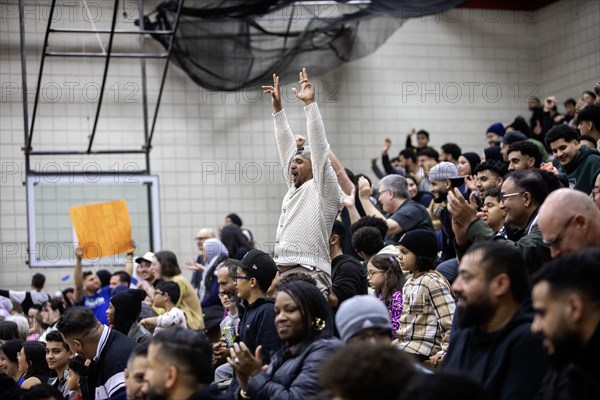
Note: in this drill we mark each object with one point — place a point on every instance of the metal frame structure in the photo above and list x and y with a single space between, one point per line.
108 55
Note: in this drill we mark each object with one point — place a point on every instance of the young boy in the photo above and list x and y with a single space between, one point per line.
166 295
58 354
77 370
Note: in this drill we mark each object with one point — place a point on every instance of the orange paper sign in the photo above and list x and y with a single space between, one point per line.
102 229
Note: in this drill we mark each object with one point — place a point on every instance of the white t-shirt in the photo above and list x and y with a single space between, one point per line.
173 317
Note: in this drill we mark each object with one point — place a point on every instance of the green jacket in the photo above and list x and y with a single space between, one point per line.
528 241
583 169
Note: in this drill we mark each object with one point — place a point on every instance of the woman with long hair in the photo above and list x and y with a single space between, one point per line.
304 323
32 365
165 266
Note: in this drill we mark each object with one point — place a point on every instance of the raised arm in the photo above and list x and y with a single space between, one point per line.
364 192
78 276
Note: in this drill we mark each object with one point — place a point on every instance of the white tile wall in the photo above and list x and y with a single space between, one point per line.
453 74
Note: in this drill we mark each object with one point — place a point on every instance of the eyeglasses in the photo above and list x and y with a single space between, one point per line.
559 237
158 293
595 192
371 273
504 196
383 191
236 277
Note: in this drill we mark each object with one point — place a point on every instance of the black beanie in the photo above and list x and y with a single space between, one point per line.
235 219
422 242
473 159
493 153
128 305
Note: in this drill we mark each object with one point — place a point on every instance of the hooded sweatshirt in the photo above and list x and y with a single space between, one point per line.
583 169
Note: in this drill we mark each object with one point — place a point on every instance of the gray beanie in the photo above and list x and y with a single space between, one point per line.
304 152
359 313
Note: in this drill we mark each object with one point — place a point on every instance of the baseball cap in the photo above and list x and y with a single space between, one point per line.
444 170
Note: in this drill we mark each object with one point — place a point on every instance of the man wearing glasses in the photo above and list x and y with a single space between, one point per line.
523 192
569 222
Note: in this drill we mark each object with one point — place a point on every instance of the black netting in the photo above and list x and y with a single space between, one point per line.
232 45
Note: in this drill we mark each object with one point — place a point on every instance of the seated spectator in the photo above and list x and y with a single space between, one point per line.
423 198
509 139
348 277
581 164
36 295
426 159
109 349
494 344
367 241
587 141
58 354
405 214
492 153
119 278
364 318
489 174
523 192
589 123
450 152
566 301
135 371
35 323
569 105
422 140
494 134
9 364
124 311
42 392
166 296
8 331
491 212
524 155
8 387
357 372
166 267
77 371
386 278
305 326
569 222
428 302
32 365
215 254
467 162
449 386
229 326
51 312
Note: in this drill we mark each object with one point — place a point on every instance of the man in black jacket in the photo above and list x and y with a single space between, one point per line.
566 300
107 349
494 344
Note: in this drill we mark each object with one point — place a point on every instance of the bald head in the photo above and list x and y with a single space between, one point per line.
569 222
202 235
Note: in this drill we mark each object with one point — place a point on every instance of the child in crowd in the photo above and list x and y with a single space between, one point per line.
77 371
386 278
166 296
428 301
58 354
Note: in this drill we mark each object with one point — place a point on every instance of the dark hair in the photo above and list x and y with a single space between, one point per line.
168 263
124 277
232 266
576 272
189 349
570 101
589 139
550 180
297 276
8 330
68 301
493 192
234 240
368 240
42 391
530 182
520 125
527 148
77 365
55 336
9 388
312 305
171 289
36 307
452 149
429 152
77 320
590 113
11 347
412 178
340 230
590 93
371 221
56 305
394 281
498 258
497 167
423 132
408 153
367 371
35 353
141 350
395 159
38 280
561 132
446 385
87 273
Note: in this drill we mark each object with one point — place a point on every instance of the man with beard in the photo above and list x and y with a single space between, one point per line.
494 344
180 366
566 301
135 371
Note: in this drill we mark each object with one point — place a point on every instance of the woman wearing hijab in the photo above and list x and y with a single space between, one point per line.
216 254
